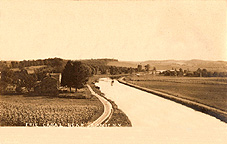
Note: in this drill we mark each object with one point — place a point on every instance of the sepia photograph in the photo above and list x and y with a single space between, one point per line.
106 71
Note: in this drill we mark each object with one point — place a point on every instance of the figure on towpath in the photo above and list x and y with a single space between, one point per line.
112 82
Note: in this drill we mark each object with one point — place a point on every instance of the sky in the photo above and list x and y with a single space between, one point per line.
124 30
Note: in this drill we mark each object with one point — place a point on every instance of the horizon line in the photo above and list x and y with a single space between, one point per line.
114 59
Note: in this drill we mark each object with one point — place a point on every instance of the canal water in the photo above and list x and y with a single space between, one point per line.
158 115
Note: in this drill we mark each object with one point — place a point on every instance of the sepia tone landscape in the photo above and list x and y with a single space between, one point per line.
113 72
54 91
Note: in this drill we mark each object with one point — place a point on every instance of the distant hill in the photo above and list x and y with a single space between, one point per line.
123 64
192 65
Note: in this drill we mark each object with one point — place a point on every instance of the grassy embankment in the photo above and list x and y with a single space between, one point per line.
17 110
209 91
118 116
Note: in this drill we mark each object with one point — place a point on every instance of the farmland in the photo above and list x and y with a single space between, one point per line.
17 110
192 65
208 91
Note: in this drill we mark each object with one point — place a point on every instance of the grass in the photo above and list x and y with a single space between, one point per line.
118 117
17 110
208 91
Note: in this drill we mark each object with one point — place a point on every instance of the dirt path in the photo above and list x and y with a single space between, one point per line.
107 110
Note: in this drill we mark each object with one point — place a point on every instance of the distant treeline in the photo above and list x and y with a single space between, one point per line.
198 73
50 61
56 63
180 72
100 66
26 76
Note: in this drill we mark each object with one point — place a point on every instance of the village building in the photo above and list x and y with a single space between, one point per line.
160 71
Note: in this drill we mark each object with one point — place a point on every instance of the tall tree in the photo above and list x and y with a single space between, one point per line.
147 67
81 73
112 70
75 75
180 72
13 64
139 68
8 76
67 75
199 72
21 65
204 73
26 80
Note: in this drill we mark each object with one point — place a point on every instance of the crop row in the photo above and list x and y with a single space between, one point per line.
18 114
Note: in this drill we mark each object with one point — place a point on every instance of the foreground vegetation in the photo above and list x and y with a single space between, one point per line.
208 91
17 110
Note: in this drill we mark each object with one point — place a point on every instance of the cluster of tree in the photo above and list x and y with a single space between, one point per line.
174 72
57 64
98 66
204 73
3 65
147 68
113 70
23 81
75 74
20 79
198 73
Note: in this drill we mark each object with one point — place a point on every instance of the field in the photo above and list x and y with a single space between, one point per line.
192 65
208 91
30 69
17 110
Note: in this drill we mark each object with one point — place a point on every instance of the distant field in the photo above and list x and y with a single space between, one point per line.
17 110
123 64
30 69
209 91
192 65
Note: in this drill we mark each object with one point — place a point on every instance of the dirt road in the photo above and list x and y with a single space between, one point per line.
107 110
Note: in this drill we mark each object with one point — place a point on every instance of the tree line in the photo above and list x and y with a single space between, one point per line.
180 72
57 64
75 74
20 79
198 73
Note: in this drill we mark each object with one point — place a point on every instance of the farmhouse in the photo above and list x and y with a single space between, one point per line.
56 76
160 71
